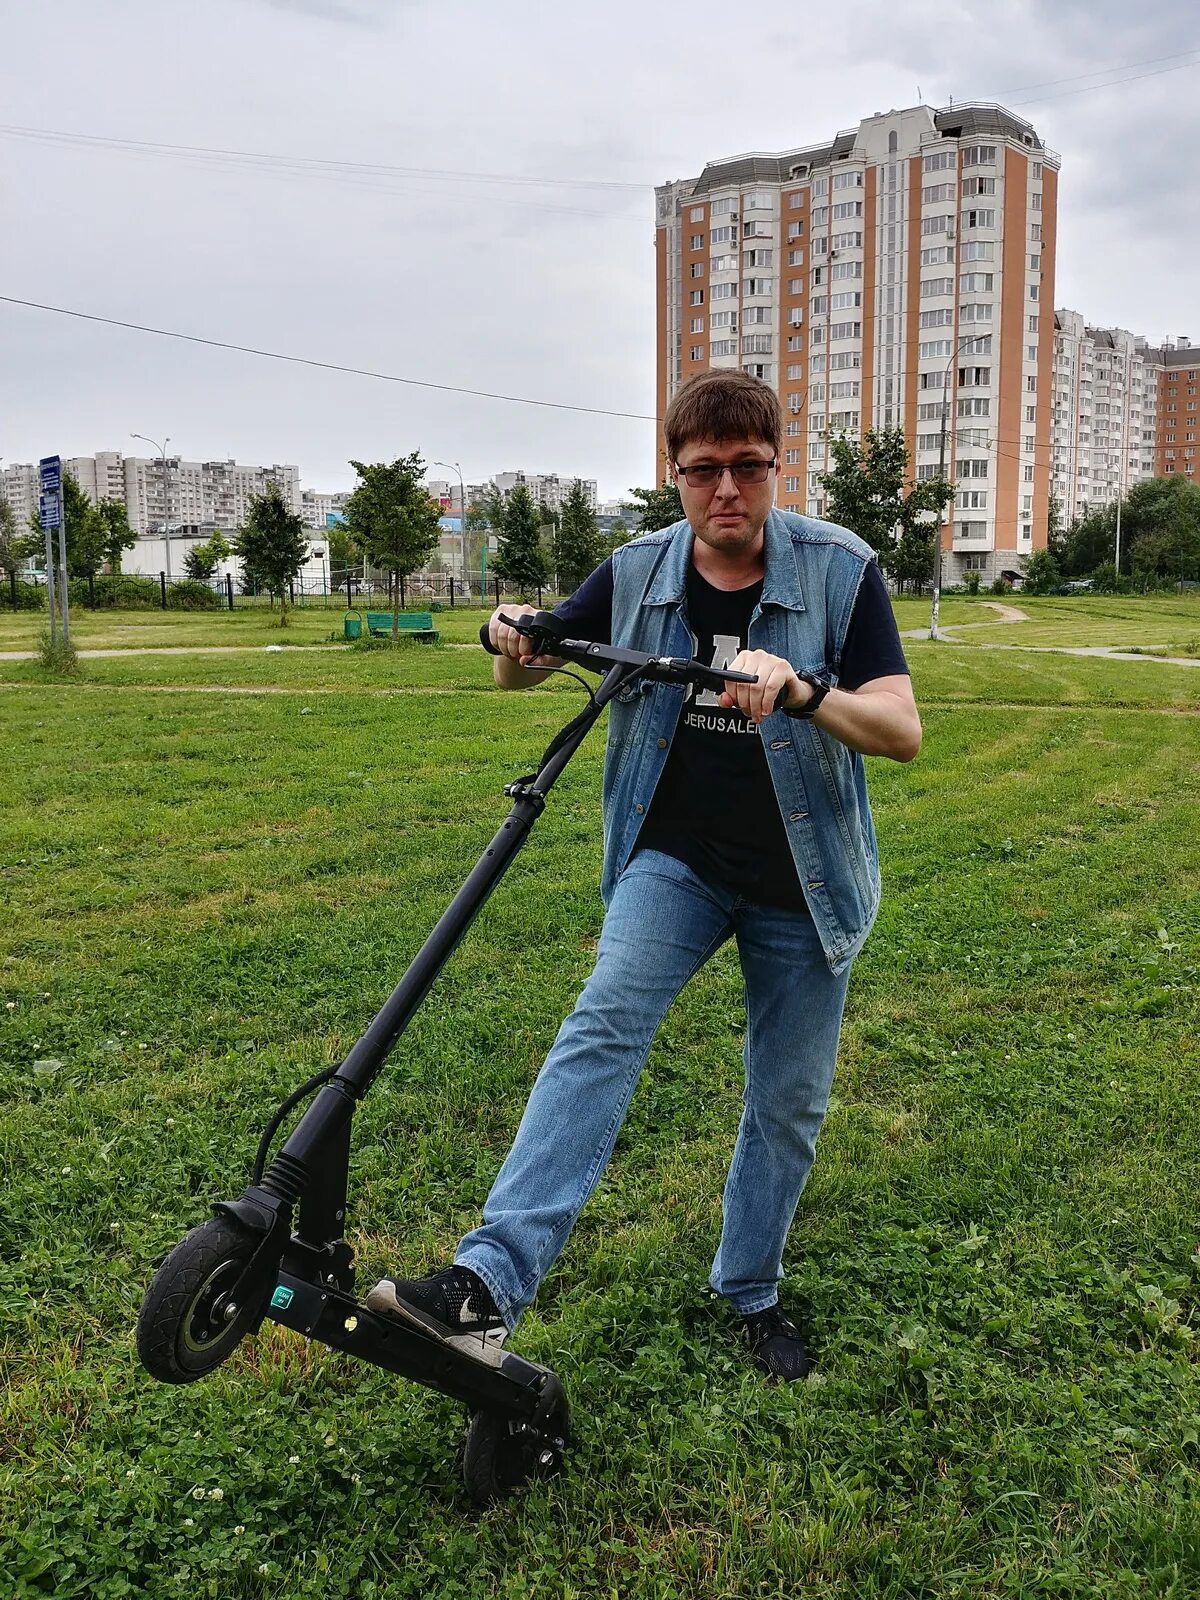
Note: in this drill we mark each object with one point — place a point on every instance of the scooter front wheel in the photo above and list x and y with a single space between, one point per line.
501 1455
190 1321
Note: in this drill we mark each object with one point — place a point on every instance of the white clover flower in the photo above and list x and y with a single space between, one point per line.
197 1493
239 1529
293 1461
189 1522
216 1494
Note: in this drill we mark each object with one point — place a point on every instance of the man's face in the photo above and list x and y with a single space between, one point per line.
726 515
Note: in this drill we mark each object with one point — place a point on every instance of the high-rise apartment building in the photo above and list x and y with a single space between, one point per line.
1105 413
1178 407
905 264
546 489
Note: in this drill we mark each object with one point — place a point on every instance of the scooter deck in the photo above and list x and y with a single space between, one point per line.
505 1383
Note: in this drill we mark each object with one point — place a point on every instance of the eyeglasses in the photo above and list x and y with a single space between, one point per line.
707 473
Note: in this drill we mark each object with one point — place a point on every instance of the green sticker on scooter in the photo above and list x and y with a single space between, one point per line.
282 1298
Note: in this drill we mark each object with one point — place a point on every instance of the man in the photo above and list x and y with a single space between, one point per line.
739 815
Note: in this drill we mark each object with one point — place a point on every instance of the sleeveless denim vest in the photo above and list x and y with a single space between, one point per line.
812 577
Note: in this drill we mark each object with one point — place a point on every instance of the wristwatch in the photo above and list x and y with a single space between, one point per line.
820 688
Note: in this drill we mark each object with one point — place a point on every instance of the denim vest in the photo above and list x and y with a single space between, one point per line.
813 572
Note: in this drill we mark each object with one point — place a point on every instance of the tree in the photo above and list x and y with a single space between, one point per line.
1042 572
16 548
658 508
392 518
117 536
272 545
520 559
870 493
202 560
577 546
86 530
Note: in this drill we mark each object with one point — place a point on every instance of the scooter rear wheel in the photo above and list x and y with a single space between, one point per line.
189 1321
500 1455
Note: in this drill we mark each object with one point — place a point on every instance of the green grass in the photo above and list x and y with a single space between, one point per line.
208 895
1111 620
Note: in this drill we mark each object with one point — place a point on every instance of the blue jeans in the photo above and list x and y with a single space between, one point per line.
663 924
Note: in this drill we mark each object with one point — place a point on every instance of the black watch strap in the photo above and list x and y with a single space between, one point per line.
820 688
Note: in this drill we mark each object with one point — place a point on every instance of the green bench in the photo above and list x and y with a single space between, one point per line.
416 624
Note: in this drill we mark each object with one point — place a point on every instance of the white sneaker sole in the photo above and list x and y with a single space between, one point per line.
486 1348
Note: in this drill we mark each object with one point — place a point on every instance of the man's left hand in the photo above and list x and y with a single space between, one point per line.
777 685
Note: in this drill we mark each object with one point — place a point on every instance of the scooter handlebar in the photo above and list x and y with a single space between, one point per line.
546 632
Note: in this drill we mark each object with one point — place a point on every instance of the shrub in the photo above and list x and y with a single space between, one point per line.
1001 586
189 594
30 596
971 580
55 655
116 592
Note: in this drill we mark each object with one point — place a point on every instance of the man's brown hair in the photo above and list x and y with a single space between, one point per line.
723 405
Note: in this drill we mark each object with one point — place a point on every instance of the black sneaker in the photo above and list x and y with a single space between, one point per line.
453 1305
775 1345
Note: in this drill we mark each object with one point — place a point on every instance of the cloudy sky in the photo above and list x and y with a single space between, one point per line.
518 258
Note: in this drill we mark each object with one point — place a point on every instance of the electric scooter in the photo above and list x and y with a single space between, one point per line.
279 1252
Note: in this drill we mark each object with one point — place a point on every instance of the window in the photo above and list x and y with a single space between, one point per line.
795 401
796 199
758 258
697 353
974 408
977 282
757 314
795 258
697 214
943 317
938 224
845 330
720 291
845 389
816 363
1028 474
979 155
848 180
725 205
935 347
820 216
1031 324
847 269
795 230
721 235
1035 169
934 380
795 342
795 369
972 186
723 347
791 429
724 263
697 298
818 334
937 255
697 242
847 241
1031 384
795 285
940 161
979 219
820 187
841 360
1035 232
977 250
973 467
756 200
971 500
846 208
697 269
1035 201
760 286
972 530
756 230
932 286
935 192
843 420
698 324
816 393
818 276
758 369
1035 261
820 304
975 313
792 486
1030 413
980 345
722 319
845 300
1035 292
756 344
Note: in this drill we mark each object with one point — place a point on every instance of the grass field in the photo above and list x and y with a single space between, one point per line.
207 895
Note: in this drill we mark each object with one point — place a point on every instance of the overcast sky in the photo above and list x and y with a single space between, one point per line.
544 291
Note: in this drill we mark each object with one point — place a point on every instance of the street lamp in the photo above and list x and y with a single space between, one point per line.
970 338
162 451
462 511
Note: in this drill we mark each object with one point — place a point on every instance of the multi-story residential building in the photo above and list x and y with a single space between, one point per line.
319 509
546 489
898 274
1105 411
1178 364
19 486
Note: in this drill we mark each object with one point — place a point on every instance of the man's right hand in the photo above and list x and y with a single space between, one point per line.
507 641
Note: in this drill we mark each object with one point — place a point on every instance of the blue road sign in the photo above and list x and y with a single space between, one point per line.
48 511
50 471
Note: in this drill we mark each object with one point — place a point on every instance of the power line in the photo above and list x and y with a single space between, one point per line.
325 366
1113 83
1126 66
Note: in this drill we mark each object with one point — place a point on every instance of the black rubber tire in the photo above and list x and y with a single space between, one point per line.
180 1336
497 1461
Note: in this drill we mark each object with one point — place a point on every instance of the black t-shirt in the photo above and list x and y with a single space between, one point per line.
715 807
